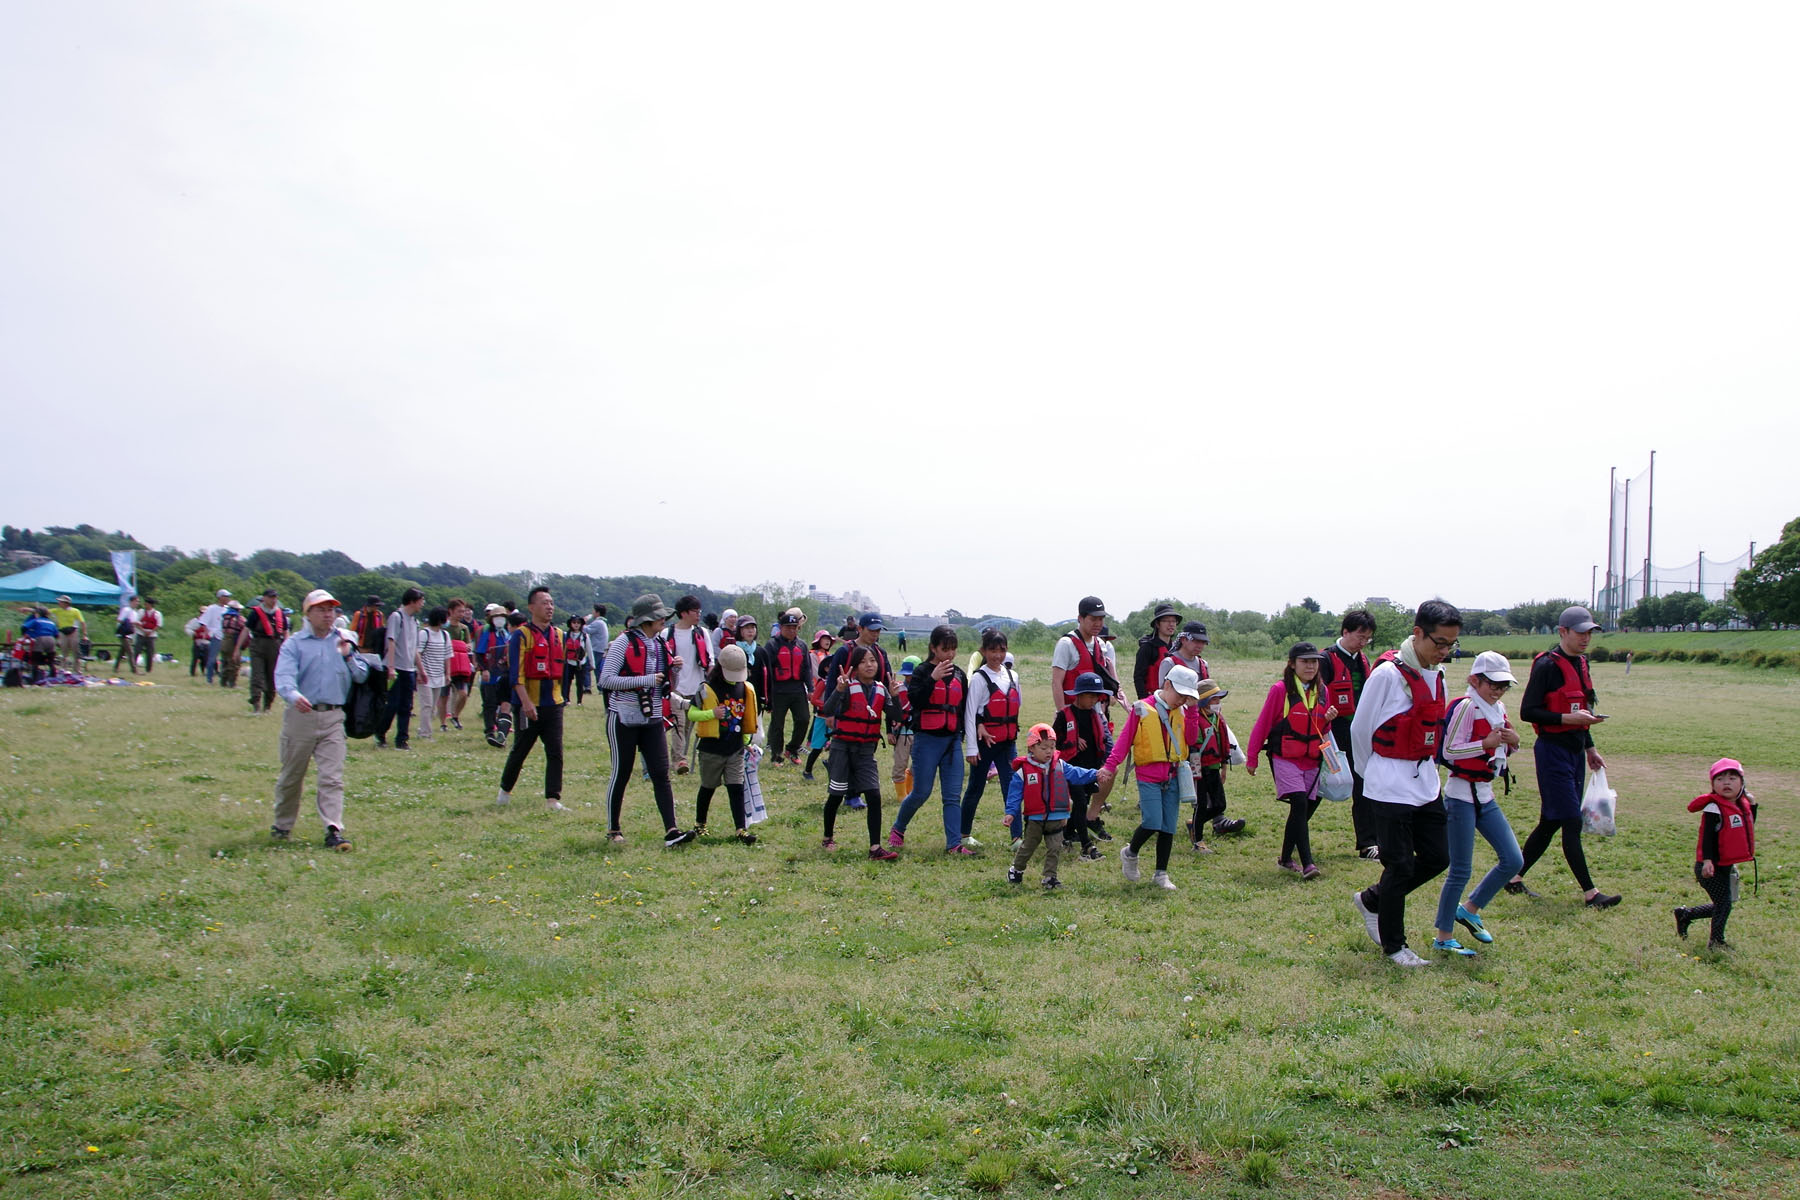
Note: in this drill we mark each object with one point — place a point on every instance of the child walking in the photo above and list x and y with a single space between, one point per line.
990 726
855 704
1727 838
1207 758
1081 741
1290 730
1477 738
725 719
900 729
818 734
1041 794
1155 734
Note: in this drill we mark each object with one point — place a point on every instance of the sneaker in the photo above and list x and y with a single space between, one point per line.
1202 848
496 739
1682 917
335 839
1718 944
616 837
1474 924
682 768
745 837
896 839
807 776
827 844
677 837
1128 864
700 830
1014 876
1453 946
1091 853
402 746
972 842
1405 957
503 799
1226 828
960 850
456 724
1050 885
281 835
381 743
856 802
1517 887
1372 853
555 806
1288 864
1370 918
883 854
1602 900
443 728
1161 879
1311 871
1097 827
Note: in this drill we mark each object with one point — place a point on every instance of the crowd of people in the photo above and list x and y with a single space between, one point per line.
685 693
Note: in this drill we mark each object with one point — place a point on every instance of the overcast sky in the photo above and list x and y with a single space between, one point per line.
974 305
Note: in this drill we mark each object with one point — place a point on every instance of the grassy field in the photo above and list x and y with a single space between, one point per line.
498 1003
1724 641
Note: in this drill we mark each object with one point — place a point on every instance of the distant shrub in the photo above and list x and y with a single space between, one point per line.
1676 654
1600 654
1706 656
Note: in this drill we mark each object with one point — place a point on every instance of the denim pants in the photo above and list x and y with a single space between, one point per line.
940 755
1461 823
1000 755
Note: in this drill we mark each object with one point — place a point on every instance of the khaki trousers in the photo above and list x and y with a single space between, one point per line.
316 737
1051 834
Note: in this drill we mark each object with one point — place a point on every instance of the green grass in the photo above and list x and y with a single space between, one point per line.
1723 641
498 1003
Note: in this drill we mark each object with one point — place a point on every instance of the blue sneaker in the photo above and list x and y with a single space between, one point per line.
1452 946
1473 924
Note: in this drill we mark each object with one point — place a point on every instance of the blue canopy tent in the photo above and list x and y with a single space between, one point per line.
42 585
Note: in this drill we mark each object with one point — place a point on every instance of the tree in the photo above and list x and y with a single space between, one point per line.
1721 614
1769 589
1309 604
1681 608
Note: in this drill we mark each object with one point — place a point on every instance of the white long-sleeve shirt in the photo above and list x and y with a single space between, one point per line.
980 688
1390 780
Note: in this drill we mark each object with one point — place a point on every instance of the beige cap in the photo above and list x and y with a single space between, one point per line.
317 597
733 665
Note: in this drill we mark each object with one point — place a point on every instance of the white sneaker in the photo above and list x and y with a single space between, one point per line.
1406 958
970 841
1128 864
556 806
1161 879
1371 918
503 799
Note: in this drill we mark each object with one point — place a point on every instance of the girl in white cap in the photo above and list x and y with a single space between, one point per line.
1477 738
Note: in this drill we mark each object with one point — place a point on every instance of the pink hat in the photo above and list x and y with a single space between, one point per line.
1723 765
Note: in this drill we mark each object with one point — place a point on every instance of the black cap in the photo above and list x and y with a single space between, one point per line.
270 592
1196 629
1091 606
1304 650
1164 610
372 601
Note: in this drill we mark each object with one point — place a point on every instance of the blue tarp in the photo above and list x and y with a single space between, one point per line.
42 585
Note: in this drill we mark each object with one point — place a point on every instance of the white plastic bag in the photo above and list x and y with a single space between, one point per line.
1335 779
756 809
1598 806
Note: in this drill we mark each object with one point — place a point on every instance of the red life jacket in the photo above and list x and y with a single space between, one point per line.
1479 769
637 664
1044 788
1000 715
900 712
149 622
860 720
541 654
702 648
273 626
1085 660
1737 829
940 713
460 662
789 663
1150 682
230 625
1577 690
1299 735
571 649
1341 683
1214 741
1413 734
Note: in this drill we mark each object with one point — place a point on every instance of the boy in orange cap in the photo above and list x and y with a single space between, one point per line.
1038 795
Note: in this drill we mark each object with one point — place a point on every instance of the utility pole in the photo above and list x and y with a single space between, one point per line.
1612 505
1592 575
1650 526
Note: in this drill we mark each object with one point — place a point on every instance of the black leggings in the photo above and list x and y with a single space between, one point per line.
873 812
703 803
1539 841
625 741
1718 889
1080 796
811 759
1165 842
1297 837
1209 801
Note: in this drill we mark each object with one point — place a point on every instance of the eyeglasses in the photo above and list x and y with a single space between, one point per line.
1440 643
1495 684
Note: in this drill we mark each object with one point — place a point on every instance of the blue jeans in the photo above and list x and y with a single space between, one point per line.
1462 821
934 753
1001 755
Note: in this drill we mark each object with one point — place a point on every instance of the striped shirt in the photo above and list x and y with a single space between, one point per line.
434 648
622 690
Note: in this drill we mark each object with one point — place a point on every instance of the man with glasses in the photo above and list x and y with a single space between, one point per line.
1395 736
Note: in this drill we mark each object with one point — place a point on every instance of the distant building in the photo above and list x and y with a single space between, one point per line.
920 623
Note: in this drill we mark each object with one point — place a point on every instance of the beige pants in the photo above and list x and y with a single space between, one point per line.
425 700
680 737
902 756
1051 834
68 646
311 737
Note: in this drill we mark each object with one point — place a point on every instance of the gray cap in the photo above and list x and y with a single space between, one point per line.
647 608
1577 619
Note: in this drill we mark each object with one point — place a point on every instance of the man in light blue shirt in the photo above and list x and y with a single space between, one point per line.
313 674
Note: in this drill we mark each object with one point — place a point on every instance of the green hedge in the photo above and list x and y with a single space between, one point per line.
1771 660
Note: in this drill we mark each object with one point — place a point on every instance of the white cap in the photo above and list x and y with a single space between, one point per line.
317 597
1493 664
1185 681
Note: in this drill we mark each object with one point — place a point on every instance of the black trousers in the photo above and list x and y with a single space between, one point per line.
626 742
493 695
1209 800
546 728
1718 891
781 708
399 700
1362 809
1414 851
